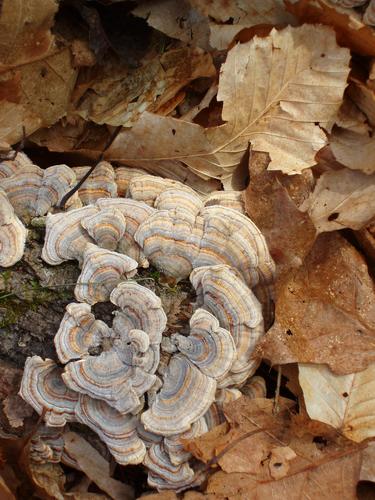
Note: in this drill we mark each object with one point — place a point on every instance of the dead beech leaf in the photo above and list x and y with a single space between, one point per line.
346 402
368 463
5 493
25 34
325 311
44 91
366 239
334 477
289 233
240 14
342 198
119 95
354 150
279 461
95 467
350 30
177 20
281 121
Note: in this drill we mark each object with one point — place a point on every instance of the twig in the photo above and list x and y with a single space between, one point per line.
70 193
276 407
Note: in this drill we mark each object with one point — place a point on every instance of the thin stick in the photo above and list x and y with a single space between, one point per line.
70 193
276 407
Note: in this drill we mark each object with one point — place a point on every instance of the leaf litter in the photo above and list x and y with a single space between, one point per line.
276 96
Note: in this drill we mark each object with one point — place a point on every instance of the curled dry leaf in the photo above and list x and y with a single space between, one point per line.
95 467
118 97
325 311
342 198
280 121
344 401
350 30
240 14
177 20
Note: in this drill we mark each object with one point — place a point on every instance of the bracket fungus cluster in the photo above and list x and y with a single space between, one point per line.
141 387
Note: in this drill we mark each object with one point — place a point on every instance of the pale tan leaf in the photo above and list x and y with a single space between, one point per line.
346 402
25 34
325 310
95 467
354 150
342 198
276 115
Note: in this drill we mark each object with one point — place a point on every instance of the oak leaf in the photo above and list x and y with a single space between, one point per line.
325 310
276 115
344 401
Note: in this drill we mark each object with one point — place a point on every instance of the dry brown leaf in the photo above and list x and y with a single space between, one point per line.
177 20
325 311
366 239
16 410
41 97
342 198
368 463
25 34
49 480
334 479
289 233
364 97
5 493
277 115
350 30
346 402
95 467
165 495
278 464
240 14
119 95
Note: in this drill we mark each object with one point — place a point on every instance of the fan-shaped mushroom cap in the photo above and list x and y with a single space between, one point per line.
233 239
227 395
46 445
229 199
106 227
147 188
102 270
176 241
170 240
221 291
149 438
65 237
43 388
163 475
135 212
12 234
106 377
118 431
140 308
100 184
22 189
174 445
123 175
210 347
185 396
78 332
178 198
33 191
11 166
255 387
56 182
